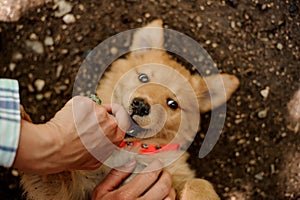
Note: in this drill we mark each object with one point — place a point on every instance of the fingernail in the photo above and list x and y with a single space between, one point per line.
155 165
130 164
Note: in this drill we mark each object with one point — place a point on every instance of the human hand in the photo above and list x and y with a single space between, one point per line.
66 142
146 185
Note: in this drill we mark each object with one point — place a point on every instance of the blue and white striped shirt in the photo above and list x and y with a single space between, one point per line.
9 121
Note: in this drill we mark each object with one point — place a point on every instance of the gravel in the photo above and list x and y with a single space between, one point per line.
257 155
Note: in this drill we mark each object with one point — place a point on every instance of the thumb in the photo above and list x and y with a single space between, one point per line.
120 114
113 180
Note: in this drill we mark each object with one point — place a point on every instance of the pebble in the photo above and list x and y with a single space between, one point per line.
48 41
33 36
59 70
272 169
47 95
147 15
265 92
12 66
63 8
60 88
39 84
30 88
17 56
113 50
232 24
39 97
64 51
279 46
259 176
262 114
69 19
35 46
14 172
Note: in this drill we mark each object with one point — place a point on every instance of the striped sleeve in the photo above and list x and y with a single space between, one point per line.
9 121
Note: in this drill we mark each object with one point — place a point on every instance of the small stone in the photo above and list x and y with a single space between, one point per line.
39 84
79 38
59 70
63 8
47 95
39 97
69 19
35 46
259 176
113 50
81 7
238 121
62 87
64 51
284 134
147 15
33 36
265 92
67 81
232 24
12 66
262 114
14 172
208 42
17 56
214 45
252 162
241 141
48 41
279 46
272 169
30 88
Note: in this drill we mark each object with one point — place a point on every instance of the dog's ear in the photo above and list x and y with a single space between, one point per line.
150 36
214 90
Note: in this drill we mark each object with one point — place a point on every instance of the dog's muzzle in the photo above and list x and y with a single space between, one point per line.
139 107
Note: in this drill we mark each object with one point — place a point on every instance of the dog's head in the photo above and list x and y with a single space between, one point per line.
159 92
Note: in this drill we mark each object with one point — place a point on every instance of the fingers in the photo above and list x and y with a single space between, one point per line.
171 195
161 189
152 183
113 180
109 125
143 181
120 115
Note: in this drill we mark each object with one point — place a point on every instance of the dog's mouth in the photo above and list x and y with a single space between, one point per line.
135 130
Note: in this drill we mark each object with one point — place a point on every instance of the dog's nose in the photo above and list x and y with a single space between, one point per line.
140 107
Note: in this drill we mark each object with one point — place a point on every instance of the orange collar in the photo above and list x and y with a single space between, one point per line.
149 148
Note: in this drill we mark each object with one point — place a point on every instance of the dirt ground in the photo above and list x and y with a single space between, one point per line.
258 153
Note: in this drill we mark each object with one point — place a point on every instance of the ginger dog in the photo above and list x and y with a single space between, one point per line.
140 83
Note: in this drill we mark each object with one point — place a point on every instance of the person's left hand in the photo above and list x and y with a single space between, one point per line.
147 185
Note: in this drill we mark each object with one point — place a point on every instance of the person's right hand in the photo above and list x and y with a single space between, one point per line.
80 136
147 185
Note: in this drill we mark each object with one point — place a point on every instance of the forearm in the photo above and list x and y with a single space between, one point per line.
37 148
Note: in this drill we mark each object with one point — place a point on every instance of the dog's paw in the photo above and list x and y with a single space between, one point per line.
198 189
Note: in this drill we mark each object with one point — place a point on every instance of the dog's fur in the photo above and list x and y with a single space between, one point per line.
120 84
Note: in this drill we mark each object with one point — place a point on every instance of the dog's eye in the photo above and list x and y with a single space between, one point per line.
172 104
143 78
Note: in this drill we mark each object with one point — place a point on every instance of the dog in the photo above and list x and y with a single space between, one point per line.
159 94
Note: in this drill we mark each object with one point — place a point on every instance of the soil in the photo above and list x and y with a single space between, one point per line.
258 153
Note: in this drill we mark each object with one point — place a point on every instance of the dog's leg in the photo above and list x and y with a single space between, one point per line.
198 189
